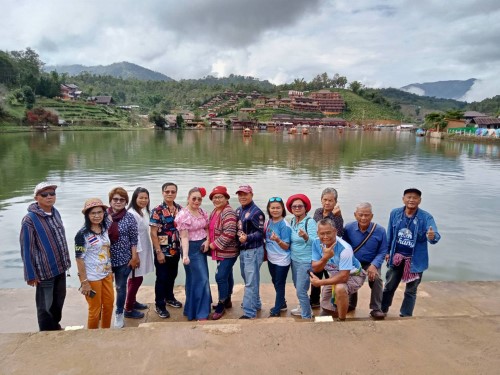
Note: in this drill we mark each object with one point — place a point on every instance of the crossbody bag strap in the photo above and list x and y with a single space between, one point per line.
366 239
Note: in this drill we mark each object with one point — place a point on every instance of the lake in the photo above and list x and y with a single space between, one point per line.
459 181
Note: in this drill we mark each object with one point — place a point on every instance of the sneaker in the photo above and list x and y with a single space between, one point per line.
273 314
140 306
332 313
174 303
219 311
283 307
162 312
134 314
245 317
119 323
297 311
377 314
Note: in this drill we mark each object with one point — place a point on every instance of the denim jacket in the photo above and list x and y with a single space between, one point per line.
423 220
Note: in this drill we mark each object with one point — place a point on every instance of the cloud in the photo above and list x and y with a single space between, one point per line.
381 43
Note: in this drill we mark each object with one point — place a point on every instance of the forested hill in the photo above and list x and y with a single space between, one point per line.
403 97
124 70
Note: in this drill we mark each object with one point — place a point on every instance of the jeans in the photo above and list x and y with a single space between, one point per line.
376 287
101 305
278 277
49 297
250 262
224 278
392 280
165 279
316 290
121 276
301 282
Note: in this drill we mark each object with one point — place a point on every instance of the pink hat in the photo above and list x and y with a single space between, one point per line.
302 197
244 189
219 190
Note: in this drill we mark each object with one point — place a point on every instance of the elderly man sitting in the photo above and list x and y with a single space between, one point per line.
334 255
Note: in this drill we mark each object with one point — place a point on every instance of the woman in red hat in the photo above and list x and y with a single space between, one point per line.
304 231
192 224
224 246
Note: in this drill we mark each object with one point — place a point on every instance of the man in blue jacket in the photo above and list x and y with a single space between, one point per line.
408 232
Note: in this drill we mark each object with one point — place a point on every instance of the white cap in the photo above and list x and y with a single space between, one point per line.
43 186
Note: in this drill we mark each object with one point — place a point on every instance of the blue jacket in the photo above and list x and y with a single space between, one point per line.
251 222
423 220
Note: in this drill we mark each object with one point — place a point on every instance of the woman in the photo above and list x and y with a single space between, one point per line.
192 224
139 207
303 234
123 236
223 246
330 210
278 235
94 264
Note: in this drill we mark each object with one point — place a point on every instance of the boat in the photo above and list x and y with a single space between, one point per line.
292 130
420 132
305 129
247 132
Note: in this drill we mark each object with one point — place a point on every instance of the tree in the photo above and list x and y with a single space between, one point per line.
29 66
179 120
8 72
355 86
40 116
158 119
454 114
29 97
435 120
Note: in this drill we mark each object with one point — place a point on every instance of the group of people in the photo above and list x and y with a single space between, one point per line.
127 239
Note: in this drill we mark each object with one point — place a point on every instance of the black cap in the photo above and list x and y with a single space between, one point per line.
412 190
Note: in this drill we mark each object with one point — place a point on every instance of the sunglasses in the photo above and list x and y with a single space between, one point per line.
275 199
297 206
118 200
196 199
46 194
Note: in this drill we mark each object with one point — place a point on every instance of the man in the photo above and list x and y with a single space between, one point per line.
251 241
45 255
329 209
346 276
369 242
408 231
166 245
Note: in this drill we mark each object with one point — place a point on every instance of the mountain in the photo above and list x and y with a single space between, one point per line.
441 89
123 70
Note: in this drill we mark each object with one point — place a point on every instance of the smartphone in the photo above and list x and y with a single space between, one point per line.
92 293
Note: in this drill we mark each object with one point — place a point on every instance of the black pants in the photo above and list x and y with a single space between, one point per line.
315 290
165 279
49 297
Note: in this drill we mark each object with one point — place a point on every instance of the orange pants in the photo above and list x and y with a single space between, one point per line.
101 306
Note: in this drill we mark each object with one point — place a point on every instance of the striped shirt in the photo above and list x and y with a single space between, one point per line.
44 249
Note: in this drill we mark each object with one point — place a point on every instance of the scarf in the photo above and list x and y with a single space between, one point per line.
114 233
408 276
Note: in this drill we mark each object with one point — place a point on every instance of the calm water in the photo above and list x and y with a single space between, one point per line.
460 181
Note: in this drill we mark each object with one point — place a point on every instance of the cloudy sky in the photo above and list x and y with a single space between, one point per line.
381 43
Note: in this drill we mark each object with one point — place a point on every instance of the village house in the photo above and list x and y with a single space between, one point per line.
70 91
102 100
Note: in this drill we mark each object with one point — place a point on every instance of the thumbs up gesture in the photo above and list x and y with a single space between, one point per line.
430 234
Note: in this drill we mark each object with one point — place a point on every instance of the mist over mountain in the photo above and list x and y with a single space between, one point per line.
454 89
123 70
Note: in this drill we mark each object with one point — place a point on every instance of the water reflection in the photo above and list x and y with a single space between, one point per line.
363 166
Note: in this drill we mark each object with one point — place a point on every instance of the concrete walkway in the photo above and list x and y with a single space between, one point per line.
456 329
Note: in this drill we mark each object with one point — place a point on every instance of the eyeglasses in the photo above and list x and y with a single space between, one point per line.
218 197
275 199
97 213
118 200
170 191
46 194
196 199
297 206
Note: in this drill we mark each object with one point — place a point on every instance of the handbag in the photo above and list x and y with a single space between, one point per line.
366 239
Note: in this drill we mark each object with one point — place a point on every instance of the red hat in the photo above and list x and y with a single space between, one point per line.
219 190
244 189
302 197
